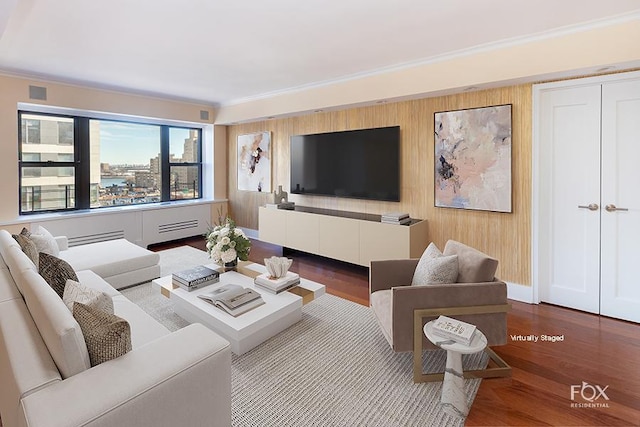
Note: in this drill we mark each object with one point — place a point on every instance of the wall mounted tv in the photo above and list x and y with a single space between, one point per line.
359 164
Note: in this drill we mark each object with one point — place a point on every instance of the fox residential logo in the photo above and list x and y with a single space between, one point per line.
586 395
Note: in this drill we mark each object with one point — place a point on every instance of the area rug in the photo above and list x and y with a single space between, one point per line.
334 368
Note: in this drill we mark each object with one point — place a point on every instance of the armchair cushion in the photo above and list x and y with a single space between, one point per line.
435 268
473 265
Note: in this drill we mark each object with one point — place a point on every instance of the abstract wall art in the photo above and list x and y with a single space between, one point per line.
254 162
473 158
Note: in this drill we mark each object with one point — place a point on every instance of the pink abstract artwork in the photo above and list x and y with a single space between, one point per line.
473 159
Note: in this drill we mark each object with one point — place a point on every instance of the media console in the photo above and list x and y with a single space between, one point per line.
346 236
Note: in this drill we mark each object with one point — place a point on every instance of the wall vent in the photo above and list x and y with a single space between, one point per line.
204 115
97 237
38 92
177 226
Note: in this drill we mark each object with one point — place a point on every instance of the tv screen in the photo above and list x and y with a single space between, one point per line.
360 164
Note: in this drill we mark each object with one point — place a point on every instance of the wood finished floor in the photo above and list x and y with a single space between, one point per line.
597 350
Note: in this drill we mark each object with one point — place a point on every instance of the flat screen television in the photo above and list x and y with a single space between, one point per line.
359 164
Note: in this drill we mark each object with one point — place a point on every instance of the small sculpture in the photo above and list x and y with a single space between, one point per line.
280 196
277 267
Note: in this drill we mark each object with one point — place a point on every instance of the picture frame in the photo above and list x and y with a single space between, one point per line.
472 158
254 162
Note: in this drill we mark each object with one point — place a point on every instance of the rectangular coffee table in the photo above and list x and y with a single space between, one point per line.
253 327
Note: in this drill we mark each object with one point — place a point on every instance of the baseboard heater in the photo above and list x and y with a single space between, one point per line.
96 237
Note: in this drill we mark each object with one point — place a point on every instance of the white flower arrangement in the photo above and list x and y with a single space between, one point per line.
226 243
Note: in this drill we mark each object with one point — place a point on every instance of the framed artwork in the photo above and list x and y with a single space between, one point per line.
254 162
473 158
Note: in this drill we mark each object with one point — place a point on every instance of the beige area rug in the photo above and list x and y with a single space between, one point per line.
334 368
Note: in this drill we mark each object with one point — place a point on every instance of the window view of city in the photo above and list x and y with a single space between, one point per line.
130 166
125 164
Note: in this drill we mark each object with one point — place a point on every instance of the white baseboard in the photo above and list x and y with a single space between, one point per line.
521 293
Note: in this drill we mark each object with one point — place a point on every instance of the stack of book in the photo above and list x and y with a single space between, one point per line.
195 278
399 218
283 205
234 299
453 329
275 286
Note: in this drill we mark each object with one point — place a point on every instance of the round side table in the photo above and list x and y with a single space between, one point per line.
453 397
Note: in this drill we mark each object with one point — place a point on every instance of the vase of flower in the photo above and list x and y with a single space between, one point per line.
226 244
231 265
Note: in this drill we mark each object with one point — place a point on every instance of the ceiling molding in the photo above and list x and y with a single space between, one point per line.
487 47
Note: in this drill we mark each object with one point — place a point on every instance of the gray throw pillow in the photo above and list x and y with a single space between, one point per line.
56 272
28 247
107 336
435 268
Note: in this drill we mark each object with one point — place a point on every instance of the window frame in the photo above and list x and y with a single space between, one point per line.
81 163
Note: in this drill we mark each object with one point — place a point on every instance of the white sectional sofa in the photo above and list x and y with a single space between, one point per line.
180 378
119 262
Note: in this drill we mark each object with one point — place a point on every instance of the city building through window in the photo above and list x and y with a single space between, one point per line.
73 162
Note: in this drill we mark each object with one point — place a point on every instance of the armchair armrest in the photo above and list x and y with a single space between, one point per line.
63 242
445 299
183 378
390 273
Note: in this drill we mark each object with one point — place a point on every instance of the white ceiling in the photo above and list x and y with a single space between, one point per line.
225 52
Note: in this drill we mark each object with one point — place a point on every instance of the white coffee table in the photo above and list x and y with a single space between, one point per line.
453 397
253 327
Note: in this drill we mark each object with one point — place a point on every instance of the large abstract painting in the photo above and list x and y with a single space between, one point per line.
254 162
473 159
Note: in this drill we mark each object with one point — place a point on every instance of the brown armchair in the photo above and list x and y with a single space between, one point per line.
402 310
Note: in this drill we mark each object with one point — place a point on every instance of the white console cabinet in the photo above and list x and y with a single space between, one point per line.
345 236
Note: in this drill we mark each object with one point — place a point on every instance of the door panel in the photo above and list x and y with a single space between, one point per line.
569 168
620 250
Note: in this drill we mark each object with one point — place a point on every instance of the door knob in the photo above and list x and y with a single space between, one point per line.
613 208
590 206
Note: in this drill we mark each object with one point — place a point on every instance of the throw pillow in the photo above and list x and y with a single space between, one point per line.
107 336
56 272
45 241
28 247
435 268
77 292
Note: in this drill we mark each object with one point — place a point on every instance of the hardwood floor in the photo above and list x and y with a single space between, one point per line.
599 352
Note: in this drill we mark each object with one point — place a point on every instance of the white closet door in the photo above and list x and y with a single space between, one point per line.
620 277
569 177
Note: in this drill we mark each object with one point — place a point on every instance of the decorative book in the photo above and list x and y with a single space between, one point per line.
453 329
195 276
234 299
289 280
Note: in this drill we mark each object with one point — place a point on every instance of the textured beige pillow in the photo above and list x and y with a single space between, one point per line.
435 268
28 247
77 292
56 272
107 336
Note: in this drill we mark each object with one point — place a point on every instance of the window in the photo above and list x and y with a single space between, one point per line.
184 163
47 167
73 162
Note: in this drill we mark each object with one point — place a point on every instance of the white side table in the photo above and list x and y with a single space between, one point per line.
453 397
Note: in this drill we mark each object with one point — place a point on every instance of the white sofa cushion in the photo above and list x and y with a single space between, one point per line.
144 328
110 258
59 330
92 280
